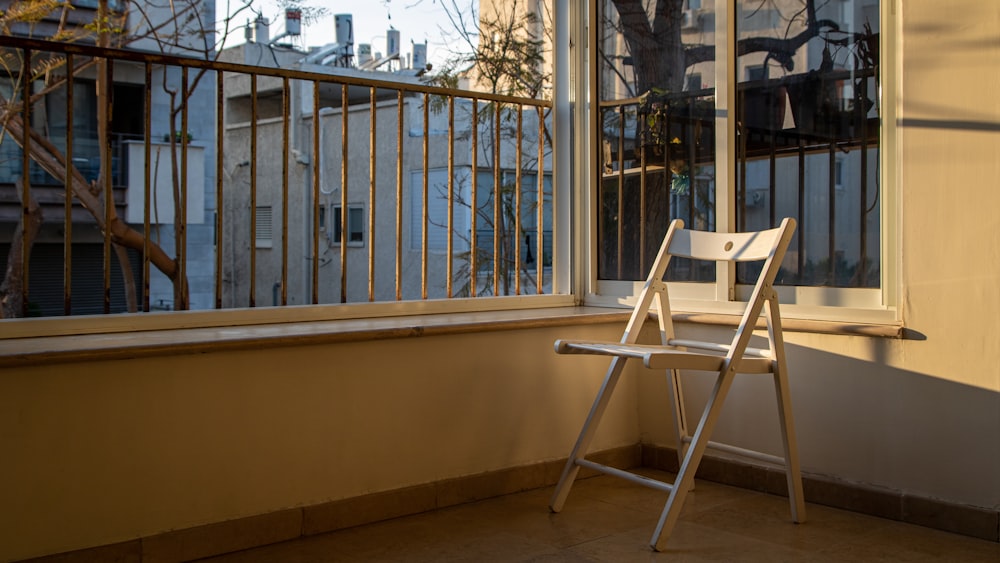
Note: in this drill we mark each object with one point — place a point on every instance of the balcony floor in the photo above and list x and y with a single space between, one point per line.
607 519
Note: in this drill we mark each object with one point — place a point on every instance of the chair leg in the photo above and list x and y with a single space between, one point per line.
696 450
571 469
793 473
681 433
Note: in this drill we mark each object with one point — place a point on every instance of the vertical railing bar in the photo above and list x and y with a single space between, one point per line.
772 186
182 208
497 199
642 207
109 200
68 195
424 218
741 192
832 199
863 238
540 202
399 195
516 239
598 170
26 176
147 186
801 211
451 197
668 173
316 159
220 131
372 169
344 137
253 190
474 202
286 116
621 190
687 132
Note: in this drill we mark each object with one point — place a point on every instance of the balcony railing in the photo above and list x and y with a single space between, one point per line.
817 164
233 186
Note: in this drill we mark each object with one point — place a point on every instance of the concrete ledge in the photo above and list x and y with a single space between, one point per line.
35 350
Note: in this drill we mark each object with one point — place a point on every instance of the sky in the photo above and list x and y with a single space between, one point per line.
416 20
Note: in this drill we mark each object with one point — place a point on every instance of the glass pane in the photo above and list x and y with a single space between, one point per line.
657 133
809 135
355 224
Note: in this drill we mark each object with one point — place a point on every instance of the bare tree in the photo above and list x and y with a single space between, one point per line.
501 52
172 27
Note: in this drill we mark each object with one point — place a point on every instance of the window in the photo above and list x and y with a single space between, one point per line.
355 224
51 116
804 142
263 234
437 208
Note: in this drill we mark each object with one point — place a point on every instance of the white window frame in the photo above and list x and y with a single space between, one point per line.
335 217
876 305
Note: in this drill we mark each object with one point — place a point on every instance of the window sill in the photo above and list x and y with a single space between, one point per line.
51 349
802 325
37 350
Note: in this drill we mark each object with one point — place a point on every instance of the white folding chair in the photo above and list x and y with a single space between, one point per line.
673 354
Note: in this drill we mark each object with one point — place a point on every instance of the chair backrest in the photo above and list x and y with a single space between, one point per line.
768 246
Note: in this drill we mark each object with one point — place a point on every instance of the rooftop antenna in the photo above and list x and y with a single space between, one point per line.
341 52
392 51
260 29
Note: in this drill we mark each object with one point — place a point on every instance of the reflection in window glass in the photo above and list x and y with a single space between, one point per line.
658 152
808 122
807 126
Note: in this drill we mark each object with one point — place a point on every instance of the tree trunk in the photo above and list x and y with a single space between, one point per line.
52 161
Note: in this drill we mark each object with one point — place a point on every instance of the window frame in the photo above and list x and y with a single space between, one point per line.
335 220
868 305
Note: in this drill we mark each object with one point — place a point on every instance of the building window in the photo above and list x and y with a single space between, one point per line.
805 144
263 228
437 209
355 224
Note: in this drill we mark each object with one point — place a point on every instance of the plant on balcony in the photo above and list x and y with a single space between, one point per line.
178 137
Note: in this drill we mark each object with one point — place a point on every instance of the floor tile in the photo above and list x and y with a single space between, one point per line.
608 519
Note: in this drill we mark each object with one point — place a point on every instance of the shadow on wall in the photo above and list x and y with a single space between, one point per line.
866 422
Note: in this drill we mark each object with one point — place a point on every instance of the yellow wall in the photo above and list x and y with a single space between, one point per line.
101 452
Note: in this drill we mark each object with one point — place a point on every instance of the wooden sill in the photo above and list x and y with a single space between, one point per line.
81 347
36 350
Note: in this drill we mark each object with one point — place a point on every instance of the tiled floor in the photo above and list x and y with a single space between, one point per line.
607 519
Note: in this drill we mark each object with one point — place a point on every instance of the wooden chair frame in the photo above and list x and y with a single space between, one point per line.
674 354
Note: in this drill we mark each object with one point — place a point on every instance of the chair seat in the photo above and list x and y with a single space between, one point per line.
655 356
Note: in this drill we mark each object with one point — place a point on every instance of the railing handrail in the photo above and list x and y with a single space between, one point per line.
296 74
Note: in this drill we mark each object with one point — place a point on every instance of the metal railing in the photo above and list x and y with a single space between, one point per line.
436 170
659 163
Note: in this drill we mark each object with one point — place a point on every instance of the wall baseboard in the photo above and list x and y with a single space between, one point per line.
256 531
982 523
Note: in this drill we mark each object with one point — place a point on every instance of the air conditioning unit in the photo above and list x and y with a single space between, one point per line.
689 20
